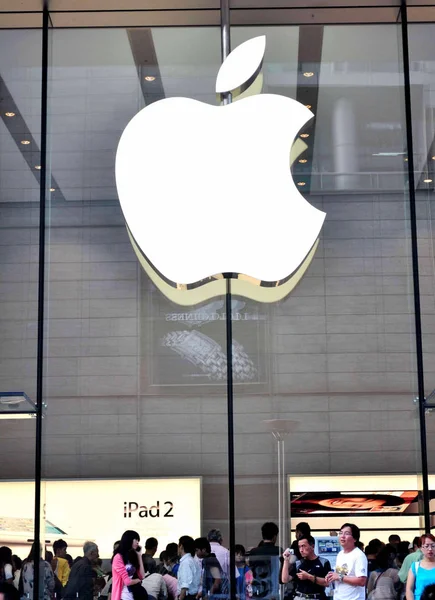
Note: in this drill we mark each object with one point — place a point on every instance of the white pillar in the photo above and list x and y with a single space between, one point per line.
344 142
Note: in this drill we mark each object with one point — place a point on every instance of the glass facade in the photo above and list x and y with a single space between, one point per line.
127 418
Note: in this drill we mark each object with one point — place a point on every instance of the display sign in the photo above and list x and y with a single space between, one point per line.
353 502
361 499
327 547
101 510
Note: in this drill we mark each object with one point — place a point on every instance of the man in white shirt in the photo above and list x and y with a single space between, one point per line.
214 536
350 576
189 572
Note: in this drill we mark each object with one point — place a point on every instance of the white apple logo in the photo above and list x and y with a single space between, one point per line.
207 189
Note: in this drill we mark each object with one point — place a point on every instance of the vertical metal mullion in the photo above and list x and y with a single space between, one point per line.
41 298
225 50
230 414
415 267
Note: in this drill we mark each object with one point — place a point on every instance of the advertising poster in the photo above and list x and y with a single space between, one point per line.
327 547
185 347
101 510
370 503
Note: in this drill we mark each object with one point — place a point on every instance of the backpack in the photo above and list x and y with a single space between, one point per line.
372 595
266 576
224 588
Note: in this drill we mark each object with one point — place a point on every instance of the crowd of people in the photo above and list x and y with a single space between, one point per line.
191 569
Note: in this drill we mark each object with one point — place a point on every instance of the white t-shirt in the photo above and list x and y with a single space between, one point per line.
126 594
353 564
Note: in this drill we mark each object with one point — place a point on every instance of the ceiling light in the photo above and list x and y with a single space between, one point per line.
17 416
427 180
10 114
301 183
303 160
308 105
388 153
52 189
406 160
38 167
305 135
25 142
433 157
308 74
149 78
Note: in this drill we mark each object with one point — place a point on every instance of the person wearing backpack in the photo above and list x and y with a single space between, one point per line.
384 582
309 573
213 580
264 561
422 574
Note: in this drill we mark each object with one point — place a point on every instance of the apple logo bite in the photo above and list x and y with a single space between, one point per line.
207 190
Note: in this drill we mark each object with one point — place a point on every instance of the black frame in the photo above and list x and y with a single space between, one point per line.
421 400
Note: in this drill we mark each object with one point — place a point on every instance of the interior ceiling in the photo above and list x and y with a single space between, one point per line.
154 13
97 83
77 5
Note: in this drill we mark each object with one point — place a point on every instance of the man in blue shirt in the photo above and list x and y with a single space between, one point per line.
189 572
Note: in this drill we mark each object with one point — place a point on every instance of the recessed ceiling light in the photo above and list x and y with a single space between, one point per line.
433 157
52 189
303 160
301 183
149 78
308 74
10 114
38 167
308 105
427 180
388 153
25 142
305 135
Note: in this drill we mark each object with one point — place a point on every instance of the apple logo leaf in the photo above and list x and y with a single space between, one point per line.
241 67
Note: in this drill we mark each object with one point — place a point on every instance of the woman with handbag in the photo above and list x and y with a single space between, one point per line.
422 573
384 582
127 569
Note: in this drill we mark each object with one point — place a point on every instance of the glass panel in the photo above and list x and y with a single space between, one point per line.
339 361
421 47
135 383
20 122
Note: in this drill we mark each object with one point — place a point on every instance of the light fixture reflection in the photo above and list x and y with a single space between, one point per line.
308 74
10 114
150 78
308 106
305 135
301 183
25 142
38 167
52 189
303 161
427 180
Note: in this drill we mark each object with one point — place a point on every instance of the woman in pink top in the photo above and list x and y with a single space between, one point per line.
127 566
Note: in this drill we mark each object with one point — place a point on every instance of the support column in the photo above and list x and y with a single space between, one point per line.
344 142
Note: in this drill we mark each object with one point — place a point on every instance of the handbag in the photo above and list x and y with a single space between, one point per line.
138 591
372 595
